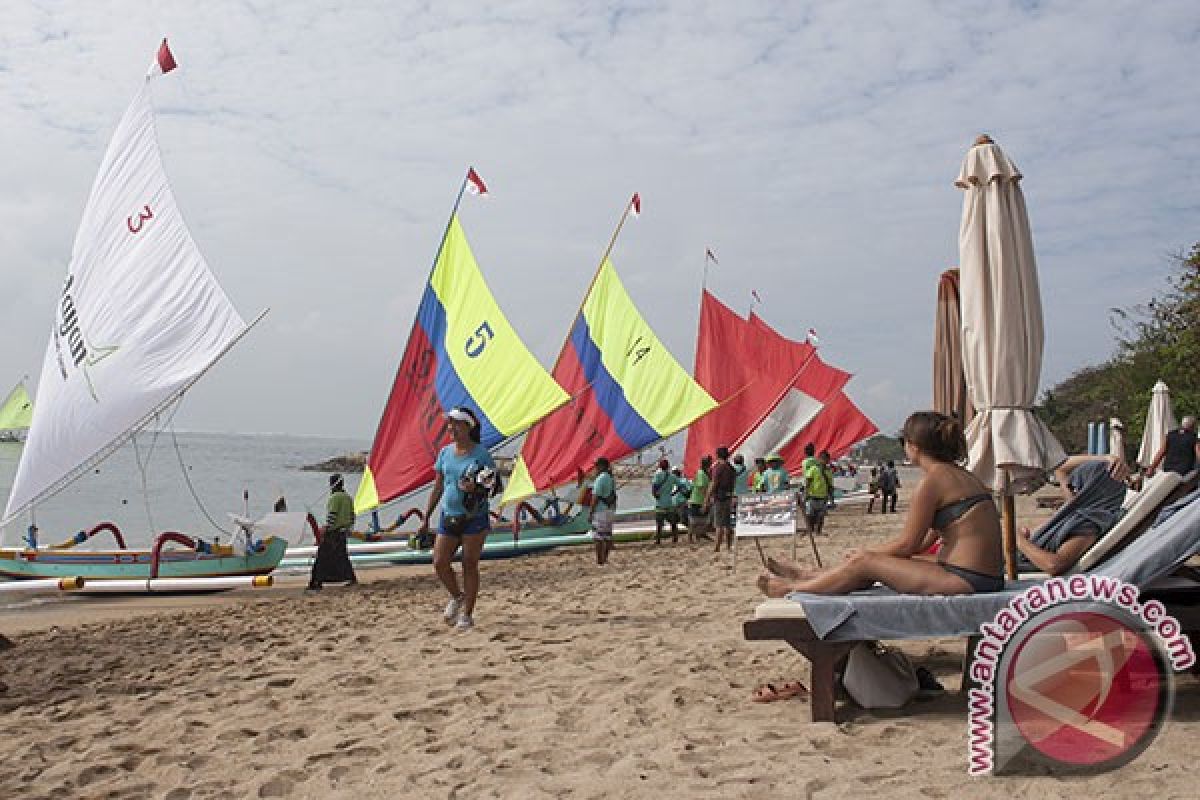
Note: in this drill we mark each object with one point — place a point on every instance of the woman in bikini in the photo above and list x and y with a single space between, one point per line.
949 503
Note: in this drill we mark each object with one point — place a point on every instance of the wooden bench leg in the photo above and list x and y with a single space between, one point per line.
825 658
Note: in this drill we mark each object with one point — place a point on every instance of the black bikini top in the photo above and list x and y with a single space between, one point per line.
947 515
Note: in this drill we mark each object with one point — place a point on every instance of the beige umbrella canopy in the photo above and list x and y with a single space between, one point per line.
1010 448
1159 420
949 388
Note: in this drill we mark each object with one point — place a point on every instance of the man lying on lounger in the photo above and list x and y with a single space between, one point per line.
949 503
1094 487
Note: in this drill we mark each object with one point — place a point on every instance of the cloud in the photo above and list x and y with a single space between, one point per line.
315 149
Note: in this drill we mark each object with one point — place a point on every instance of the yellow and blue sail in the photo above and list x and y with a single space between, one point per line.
462 352
628 392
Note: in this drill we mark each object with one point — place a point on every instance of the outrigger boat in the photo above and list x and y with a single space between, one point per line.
140 319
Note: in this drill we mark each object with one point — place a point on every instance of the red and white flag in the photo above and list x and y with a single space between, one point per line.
708 254
813 339
163 63
635 205
475 184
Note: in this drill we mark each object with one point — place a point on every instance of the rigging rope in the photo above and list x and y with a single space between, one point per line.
188 480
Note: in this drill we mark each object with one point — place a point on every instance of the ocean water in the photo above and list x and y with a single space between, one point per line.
220 467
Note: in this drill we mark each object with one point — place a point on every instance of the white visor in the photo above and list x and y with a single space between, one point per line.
461 416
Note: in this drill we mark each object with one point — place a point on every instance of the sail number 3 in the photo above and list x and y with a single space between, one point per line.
477 341
142 216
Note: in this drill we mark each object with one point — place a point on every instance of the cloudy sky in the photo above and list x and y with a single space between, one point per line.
315 148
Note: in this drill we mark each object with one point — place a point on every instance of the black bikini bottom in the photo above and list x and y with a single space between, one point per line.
978 581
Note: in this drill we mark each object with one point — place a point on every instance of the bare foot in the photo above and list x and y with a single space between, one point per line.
785 570
773 585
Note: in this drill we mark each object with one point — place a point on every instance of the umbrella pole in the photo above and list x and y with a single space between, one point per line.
1009 519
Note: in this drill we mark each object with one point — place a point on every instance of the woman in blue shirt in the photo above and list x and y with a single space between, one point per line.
466 478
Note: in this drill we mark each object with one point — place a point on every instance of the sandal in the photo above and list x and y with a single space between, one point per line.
769 693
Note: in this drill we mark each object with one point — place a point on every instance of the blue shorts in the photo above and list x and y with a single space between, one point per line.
473 526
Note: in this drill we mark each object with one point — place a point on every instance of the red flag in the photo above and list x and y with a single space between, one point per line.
709 255
635 205
475 184
164 62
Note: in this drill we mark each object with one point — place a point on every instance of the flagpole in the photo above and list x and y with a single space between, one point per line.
595 276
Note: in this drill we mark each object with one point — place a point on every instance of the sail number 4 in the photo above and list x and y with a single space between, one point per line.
477 341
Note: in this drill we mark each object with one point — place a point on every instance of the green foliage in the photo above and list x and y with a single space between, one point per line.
880 448
1157 341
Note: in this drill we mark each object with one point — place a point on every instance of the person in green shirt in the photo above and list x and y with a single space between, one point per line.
697 512
758 483
818 488
332 563
741 475
604 503
662 486
776 478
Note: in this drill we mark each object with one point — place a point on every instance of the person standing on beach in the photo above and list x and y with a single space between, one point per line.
332 564
679 498
662 486
697 510
776 478
465 477
889 482
604 503
741 475
719 498
1180 450
758 483
817 490
873 488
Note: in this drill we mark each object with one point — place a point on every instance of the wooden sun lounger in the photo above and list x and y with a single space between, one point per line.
828 657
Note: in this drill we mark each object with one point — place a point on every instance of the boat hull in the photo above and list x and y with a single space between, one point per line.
93 565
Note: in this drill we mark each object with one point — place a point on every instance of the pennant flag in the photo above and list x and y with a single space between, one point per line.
838 427
163 63
769 387
635 205
813 339
462 352
475 184
628 390
754 294
708 254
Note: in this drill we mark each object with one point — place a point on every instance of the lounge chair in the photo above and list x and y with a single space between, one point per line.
1140 510
824 628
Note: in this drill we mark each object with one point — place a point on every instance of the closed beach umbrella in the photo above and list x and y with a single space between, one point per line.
1159 420
1010 449
1116 437
949 387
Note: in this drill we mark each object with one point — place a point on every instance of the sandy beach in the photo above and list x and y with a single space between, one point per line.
579 682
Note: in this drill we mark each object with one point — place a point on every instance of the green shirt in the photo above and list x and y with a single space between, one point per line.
816 480
699 487
339 512
776 479
603 490
664 493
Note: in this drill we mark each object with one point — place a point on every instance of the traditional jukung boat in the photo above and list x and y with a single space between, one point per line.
140 319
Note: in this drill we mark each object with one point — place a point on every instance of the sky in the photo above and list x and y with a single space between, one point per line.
315 149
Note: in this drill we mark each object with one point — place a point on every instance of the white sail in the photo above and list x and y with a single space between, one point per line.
140 317
786 420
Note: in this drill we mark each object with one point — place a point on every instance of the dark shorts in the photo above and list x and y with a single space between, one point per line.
816 506
723 513
474 525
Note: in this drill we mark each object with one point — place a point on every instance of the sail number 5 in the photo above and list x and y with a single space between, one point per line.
477 341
